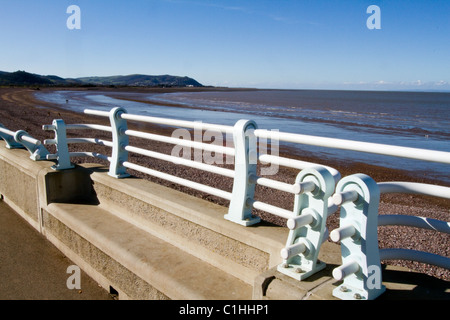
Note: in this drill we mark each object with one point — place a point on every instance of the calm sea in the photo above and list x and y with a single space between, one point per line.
411 119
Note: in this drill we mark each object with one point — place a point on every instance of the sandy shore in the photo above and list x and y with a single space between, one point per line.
19 110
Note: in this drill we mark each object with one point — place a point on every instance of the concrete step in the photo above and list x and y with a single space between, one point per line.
194 225
133 262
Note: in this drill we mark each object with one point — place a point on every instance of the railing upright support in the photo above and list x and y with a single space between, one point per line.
308 227
35 147
245 144
360 271
22 140
120 141
62 155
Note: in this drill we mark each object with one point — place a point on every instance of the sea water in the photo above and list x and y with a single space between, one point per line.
409 119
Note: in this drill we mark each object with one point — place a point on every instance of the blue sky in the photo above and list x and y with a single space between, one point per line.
264 44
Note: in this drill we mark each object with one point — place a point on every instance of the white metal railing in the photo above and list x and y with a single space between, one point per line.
312 190
244 152
318 190
250 178
358 196
21 139
414 221
367 147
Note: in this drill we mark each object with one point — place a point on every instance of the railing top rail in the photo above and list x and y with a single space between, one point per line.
352 145
166 121
367 147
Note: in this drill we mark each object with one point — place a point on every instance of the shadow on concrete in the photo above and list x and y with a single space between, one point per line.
31 268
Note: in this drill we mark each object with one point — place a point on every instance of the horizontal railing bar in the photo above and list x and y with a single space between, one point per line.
367 147
178 123
185 162
280 212
414 188
82 126
90 140
23 137
6 131
90 154
414 221
165 121
97 112
278 185
182 142
31 140
187 183
332 208
296 164
295 188
283 213
414 255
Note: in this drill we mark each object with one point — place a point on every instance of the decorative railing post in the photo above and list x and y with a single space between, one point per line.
11 143
308 227
245 144
35 147
360 271
22 140
62 155
120 141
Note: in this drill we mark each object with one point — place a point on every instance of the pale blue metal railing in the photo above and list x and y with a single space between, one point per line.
22 140
311 190
356 195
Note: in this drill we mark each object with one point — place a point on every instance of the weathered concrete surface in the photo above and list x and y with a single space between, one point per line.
192 224
31 268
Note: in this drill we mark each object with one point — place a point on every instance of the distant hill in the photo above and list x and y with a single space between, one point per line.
22 78
140 80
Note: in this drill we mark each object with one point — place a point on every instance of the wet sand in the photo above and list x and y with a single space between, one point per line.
19 110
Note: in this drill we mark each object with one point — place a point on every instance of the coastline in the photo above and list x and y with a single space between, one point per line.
20 110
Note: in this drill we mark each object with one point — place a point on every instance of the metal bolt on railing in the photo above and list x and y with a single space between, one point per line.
307 224
358 195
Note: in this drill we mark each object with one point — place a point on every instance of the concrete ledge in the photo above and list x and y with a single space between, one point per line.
19 182
274 285
194 225
401 284
135 262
